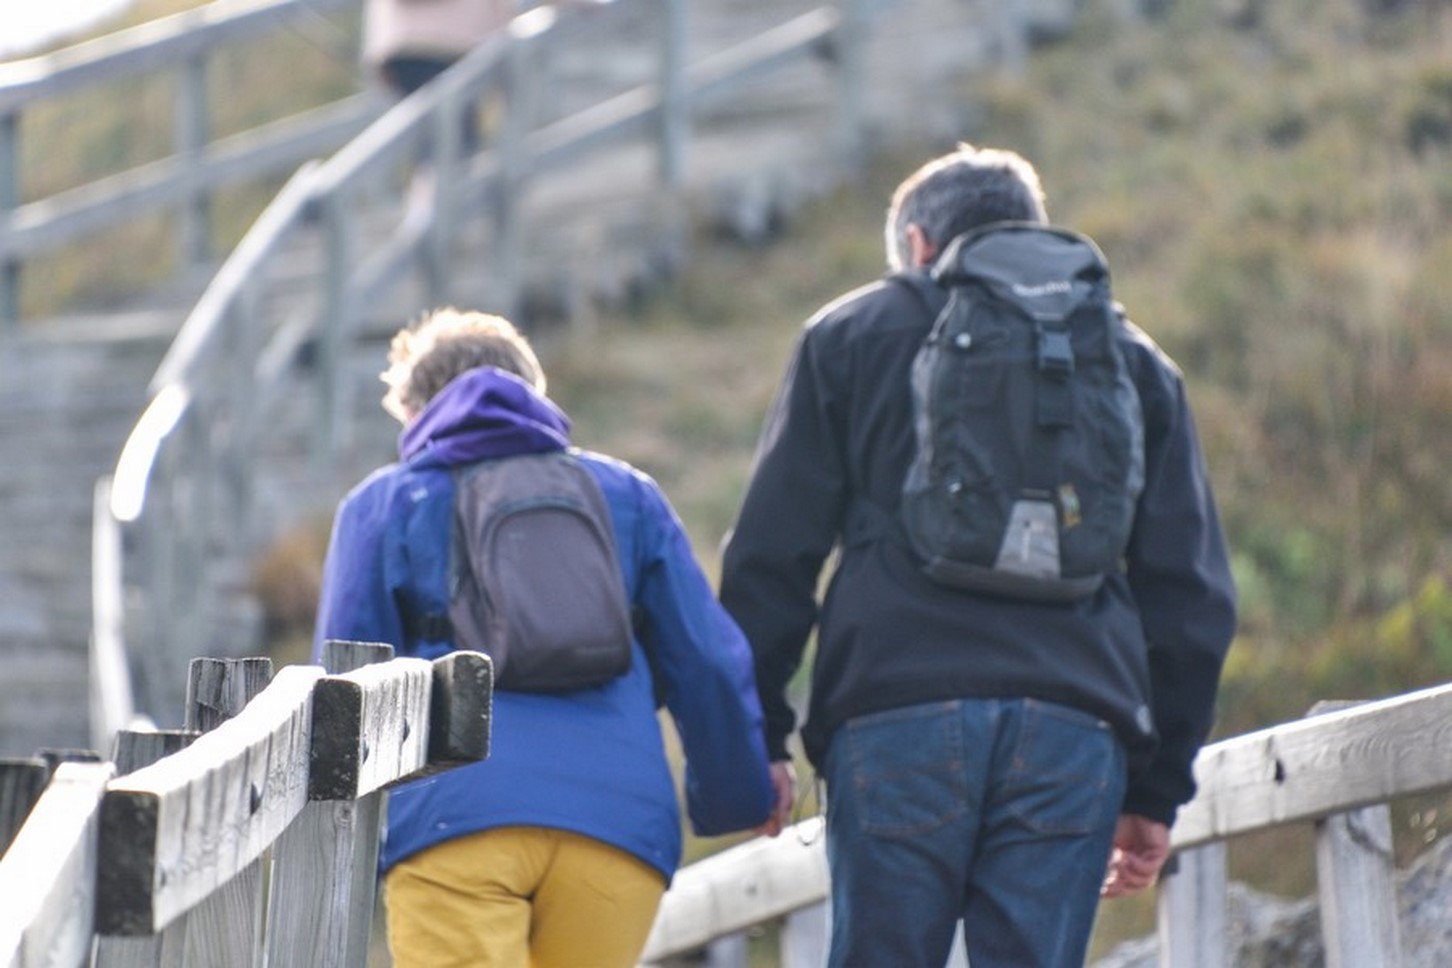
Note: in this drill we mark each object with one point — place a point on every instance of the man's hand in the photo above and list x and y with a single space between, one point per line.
1141 847
784 785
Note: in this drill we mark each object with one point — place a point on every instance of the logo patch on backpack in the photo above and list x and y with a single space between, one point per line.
534 576
1030 440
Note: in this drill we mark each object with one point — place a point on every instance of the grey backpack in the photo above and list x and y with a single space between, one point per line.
1030 441
535 580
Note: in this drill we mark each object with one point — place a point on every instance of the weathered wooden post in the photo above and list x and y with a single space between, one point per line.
445 151
135 749
1192 909
804 936
193 131
849 51
112 704
1356 874
675 105
372 726
520 84
336 324
21 783
325 866
48 875
181 839
9 199
224 930
1356 878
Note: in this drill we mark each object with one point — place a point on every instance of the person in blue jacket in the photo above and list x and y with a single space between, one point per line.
556 849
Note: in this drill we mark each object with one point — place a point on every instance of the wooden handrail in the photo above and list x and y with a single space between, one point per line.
199 165
224 333
103 856
1319 770
155 45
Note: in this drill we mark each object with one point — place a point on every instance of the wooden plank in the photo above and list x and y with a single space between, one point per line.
320 908
1356 878
219 689
739 888
151 46
171 833
805 935
460 709
849 54
48 877
675 112
1309 769
638 111
1191 911
224 929
112 698
135 749
730 951
59 219
192 131
22 781
715 78
370 728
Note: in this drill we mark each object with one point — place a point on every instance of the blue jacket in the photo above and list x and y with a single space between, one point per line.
592 761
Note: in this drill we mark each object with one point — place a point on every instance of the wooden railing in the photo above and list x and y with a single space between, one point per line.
134 859
250 836
1337 770
180 497
200 164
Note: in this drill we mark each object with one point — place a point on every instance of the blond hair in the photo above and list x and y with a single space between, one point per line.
424 356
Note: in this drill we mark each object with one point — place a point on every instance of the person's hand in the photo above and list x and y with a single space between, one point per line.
784 785
1141 847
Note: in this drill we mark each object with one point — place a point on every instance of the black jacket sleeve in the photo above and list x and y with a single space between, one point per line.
1179 572
788 524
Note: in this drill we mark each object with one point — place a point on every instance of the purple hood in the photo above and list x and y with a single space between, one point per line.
485 413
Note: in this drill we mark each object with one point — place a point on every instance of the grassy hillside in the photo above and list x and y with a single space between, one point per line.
1274 202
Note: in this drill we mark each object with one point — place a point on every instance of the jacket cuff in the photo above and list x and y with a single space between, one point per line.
1144 803
776 749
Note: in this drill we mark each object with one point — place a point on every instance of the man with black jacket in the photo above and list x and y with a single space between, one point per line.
984 755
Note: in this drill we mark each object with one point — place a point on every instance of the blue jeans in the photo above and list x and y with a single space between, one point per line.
998 812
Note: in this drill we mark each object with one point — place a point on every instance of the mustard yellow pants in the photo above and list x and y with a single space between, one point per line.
520 897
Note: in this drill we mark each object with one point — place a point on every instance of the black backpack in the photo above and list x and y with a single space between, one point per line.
1030 440
534 576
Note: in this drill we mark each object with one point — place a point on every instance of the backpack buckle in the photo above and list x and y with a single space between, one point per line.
1055 353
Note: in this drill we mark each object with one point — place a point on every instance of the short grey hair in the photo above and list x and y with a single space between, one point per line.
964 189
447 343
